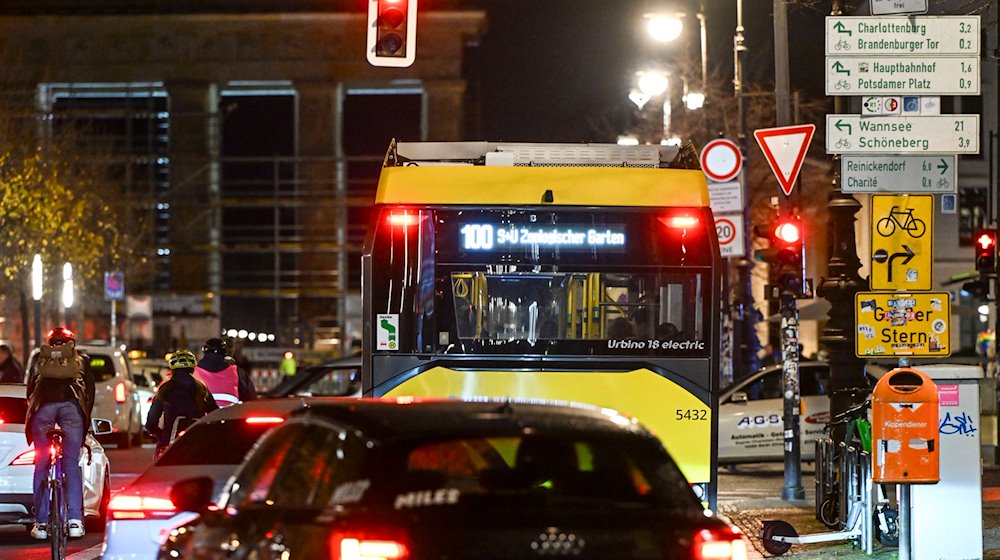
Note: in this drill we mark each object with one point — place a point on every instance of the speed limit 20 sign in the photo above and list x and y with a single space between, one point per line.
729 228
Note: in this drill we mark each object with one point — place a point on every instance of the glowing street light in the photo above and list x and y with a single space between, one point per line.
653 83
67 292
36 294
664 28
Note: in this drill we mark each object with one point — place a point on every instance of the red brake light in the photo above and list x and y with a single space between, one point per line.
140 507
369 544
679 222
26 458
719 544
264 419
402 219
120 392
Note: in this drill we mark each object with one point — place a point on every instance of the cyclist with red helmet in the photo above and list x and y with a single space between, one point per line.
60 391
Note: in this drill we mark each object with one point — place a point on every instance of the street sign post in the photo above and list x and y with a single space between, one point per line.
924 134
924 75
726 197
903 324
901 174
891 7
902 241
785 149
721 160
729 228
906 36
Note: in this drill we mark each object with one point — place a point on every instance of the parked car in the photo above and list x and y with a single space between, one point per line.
452 479
147 374
115 396
141 513
751 413
338 378
17 466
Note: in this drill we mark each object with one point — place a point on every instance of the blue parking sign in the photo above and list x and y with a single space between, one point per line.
114 286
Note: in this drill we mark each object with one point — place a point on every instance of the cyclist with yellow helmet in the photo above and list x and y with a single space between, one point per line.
180 401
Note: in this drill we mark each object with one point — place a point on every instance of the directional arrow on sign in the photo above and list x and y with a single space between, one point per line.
839 68
841 125
943 166
841 28
882 256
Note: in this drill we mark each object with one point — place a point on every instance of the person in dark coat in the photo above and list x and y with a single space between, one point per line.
228 383
60 391
11 370
180 401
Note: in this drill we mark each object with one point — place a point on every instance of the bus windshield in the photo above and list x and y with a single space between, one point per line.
657 309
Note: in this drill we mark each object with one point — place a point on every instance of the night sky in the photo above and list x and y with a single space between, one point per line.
560 70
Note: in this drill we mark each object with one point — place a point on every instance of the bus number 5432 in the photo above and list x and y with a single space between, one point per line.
691 414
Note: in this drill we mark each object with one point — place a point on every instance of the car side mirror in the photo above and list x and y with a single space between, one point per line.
100 426
192 494
739 397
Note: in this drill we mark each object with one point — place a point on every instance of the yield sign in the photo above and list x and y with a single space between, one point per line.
785 149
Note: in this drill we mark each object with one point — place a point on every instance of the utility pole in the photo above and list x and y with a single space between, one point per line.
848 385
792 489
744 315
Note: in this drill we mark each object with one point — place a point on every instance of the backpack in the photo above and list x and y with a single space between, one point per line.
59 363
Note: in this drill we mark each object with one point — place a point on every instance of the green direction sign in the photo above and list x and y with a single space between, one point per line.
925 134
925 75
898 174
907 36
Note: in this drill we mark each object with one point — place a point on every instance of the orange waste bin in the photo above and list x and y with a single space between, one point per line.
905 445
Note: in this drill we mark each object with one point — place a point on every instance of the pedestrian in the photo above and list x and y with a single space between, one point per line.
288 365
11 370
227 383
60 391
180 400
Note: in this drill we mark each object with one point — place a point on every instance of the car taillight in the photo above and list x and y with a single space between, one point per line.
26 458
264 419
369 544
120 392
140 507
719 544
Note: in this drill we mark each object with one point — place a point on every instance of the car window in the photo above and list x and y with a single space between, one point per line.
335 383
813 381
13 410
299 465
216 443
103 366
767 386
140 380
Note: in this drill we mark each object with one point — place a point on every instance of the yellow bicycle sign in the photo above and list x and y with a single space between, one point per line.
902 241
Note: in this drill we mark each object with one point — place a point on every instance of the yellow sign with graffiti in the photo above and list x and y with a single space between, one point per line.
903 324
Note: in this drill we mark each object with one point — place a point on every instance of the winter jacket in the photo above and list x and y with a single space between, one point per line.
43 390
180 395
223 377
11 370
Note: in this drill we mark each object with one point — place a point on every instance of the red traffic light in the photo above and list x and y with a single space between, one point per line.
392 32
986 240
986 250
788 231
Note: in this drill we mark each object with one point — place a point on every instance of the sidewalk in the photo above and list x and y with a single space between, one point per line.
749 512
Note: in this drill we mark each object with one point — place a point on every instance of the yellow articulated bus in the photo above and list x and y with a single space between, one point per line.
565 272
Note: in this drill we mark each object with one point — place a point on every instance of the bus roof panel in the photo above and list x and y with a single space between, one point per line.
519 186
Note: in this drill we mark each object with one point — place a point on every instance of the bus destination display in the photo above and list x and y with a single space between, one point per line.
490 237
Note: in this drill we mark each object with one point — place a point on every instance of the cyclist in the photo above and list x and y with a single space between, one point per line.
180 400
60 391
228 384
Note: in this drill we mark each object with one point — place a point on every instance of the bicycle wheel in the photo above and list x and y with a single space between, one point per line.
917 228
58 528
885 227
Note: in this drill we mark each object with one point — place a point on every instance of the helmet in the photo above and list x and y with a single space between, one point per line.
182 359
60 335
215 345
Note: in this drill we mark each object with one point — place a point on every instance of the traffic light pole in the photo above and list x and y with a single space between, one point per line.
793 489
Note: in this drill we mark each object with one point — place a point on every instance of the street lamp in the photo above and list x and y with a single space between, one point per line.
36 294
664 27
67 292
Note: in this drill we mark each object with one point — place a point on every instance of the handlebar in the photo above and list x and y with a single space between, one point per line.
850 413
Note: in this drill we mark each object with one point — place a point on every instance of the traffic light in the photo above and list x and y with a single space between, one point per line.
785 253
392 32
985 241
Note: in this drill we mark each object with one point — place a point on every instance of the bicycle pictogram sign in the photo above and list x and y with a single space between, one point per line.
902 241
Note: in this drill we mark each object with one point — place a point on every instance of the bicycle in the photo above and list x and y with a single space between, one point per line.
857 440
910 224
58 519
58 524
